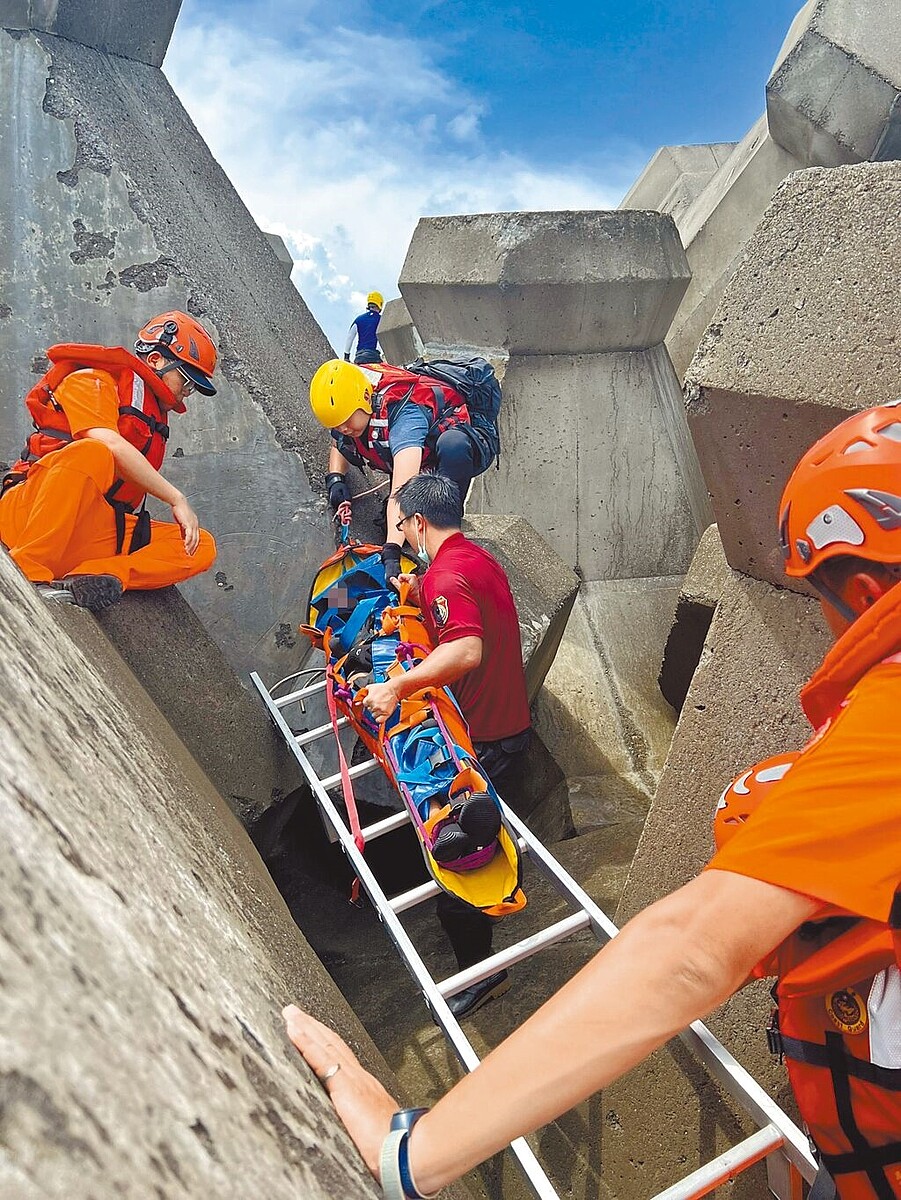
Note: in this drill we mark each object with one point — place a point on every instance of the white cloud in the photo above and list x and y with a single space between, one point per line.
339 140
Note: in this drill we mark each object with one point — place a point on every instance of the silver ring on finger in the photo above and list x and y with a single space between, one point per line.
330 1073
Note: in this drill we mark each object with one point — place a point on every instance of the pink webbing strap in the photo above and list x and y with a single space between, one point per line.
346 785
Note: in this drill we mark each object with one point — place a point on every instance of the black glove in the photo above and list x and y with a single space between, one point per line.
338 491
391 559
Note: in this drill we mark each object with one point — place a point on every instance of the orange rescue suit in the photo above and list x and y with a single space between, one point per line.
827 822
64 510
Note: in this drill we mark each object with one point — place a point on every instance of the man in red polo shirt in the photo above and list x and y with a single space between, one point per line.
468 606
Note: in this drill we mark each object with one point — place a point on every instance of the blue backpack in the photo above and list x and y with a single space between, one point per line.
475 380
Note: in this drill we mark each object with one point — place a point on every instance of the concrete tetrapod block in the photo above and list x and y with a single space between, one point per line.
545 282
281 251
715 228
145 957
836 80
742 706
699 595
805 334
128 28
163 642
676 176
596 455
600 712
109 223
398 337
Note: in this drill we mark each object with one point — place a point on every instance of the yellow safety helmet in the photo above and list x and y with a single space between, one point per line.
337 390
377 299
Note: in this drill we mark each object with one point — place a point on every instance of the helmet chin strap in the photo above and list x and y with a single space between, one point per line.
833 598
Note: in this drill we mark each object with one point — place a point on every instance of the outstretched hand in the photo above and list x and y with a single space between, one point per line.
361 1102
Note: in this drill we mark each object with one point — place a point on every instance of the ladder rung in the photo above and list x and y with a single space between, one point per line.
415 896
387 825
313 735
291 697
354 772
513 954
720 1170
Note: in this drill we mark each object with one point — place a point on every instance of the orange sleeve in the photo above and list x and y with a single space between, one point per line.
90 401
832 827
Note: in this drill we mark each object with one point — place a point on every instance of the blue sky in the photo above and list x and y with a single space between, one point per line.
341 122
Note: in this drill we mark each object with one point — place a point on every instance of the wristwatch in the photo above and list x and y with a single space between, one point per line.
394 1166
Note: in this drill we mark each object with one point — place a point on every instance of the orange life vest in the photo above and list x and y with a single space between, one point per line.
142 417
838 1022
445 406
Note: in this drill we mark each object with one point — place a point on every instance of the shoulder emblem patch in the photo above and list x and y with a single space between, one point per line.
440 611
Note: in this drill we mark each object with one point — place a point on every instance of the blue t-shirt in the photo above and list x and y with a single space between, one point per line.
407 426
367 324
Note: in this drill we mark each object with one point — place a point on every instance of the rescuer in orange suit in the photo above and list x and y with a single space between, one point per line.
805 885
72 508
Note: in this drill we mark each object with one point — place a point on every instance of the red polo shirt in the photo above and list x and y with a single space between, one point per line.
465 593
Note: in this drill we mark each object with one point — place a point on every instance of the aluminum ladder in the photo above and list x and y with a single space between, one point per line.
778 1140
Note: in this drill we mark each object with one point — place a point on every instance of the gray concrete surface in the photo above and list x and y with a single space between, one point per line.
742 706
281 252
595 454
398 336
222 724
600 712
835 81
715 228
545 283
805 334
128 28
700 593
676 176
107 223
144 956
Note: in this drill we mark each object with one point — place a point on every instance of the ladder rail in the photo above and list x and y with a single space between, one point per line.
529 1164
728 1072
777 1130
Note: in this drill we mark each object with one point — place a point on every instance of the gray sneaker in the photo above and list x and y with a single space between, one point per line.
466 1003
94 592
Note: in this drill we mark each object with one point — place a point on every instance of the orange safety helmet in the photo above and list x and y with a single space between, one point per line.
184 340
746 793
844 496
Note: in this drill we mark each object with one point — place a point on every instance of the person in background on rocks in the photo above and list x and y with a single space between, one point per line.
471 616
399 423
808 887
72 508
364 329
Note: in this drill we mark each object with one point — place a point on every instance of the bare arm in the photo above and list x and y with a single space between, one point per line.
337 461
445 664
134 467
406 464
672 964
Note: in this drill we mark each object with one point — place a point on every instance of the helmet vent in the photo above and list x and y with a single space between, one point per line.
833 525
856 447
883 507
892 432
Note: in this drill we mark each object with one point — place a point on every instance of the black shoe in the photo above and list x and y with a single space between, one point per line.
465 1003
93 592
452 843
480 817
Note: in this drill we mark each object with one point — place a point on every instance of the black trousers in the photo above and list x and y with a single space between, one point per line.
469 931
